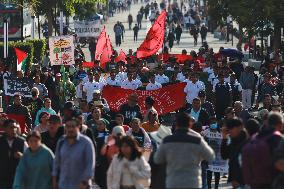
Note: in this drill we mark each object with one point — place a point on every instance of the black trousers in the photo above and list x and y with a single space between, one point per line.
135 36
209 179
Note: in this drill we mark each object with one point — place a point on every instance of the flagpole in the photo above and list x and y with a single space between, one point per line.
6 38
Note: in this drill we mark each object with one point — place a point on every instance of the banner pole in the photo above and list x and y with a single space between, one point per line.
6 33
61 23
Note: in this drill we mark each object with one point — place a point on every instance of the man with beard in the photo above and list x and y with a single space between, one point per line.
75 159
20 112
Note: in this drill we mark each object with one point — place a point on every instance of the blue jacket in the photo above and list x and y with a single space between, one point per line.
34 170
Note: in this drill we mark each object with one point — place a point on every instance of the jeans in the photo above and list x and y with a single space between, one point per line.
246 98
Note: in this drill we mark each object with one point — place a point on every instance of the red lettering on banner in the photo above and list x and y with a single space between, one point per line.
168 98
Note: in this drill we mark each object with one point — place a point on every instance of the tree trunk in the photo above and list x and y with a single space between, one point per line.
50 22
277 36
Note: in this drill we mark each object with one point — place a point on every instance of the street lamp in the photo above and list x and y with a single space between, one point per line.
33 26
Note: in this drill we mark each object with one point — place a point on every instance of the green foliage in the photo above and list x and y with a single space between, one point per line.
24 46
39 49
257 17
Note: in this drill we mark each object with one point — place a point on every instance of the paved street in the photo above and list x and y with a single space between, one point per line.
185 43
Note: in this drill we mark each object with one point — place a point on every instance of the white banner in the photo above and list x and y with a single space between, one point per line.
61 50
87 28
214 140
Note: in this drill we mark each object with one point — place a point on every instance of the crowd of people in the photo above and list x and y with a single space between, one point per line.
73 135
67 135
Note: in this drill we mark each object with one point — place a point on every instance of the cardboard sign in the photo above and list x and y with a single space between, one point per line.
87 28
22 86
61 50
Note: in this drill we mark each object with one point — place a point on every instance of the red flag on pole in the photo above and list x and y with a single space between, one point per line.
121 57
154 39
100 44
107 52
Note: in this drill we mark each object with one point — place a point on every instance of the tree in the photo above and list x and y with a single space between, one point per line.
256 17
50 8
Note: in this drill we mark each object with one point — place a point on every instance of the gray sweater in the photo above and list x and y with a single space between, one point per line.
182 153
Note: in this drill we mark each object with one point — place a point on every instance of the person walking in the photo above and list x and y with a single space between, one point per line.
47 108
139 19
223 95
74 162
123 30
234 131
203 33
263 148
54 132
194 32
178 32
18 110
247 83
183 143
118 32
130 21
128 169
171 38
135 30
37 162
12 148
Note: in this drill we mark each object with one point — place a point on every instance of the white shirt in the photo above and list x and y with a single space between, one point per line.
192 90
236 83
161 79
138 82
115 82
129 84
153 86
186 19
211 78
89 88
208 70
180 77
79 91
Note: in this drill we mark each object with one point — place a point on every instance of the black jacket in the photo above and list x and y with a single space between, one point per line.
203 117
232 152
8 163
21 110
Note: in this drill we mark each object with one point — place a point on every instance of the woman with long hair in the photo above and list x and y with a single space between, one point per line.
128 169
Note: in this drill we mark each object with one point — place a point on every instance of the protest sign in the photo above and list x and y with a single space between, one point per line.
61 50
214 140
14 86
87 28
168 98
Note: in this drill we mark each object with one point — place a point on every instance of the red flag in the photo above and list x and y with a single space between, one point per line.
168 98
100 44
107 52
121 57
154 39
181 58
88 64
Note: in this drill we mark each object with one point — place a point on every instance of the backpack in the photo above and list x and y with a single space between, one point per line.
257 161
